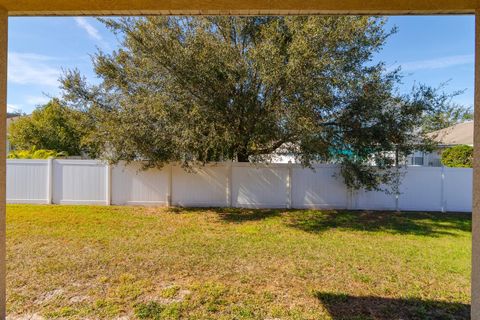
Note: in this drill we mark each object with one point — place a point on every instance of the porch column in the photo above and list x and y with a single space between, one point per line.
476 180
3 151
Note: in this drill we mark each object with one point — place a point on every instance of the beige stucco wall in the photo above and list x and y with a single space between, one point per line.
130 7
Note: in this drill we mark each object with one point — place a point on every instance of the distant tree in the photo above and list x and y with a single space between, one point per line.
201 89
52 126
458 157
443 112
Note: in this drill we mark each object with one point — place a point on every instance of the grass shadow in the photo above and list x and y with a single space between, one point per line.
417 223
233 215
318 221
347 307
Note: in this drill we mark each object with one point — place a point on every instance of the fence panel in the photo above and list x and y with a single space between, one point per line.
205 187
236 184
79 182
259 186
373 200
318 188
421 189
27 181
133 186
458 189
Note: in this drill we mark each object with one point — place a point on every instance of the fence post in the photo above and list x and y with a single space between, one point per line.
228 189
169 188
50 181
289 185
108 184
442 191
350 198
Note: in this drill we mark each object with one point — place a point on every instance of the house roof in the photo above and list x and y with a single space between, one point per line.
461 133
12 119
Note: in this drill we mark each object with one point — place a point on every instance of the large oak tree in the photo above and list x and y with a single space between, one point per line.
201 89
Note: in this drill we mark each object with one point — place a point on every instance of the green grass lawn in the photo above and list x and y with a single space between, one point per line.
143 263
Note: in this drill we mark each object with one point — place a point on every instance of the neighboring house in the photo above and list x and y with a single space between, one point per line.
428 159
461 133
283 154
458 134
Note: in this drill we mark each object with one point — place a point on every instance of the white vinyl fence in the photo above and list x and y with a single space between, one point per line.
229 185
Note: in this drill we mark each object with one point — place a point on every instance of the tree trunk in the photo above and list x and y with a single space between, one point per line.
396 156
242 157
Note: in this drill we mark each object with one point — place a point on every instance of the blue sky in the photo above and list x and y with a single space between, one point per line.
431 50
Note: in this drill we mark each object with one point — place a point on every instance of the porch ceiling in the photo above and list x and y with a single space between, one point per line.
236 7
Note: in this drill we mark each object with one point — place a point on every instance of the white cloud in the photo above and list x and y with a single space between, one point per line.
29 68
37 100
438 63
89 28
13 107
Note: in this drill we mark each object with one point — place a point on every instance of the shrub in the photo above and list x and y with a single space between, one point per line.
458 157
35 154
